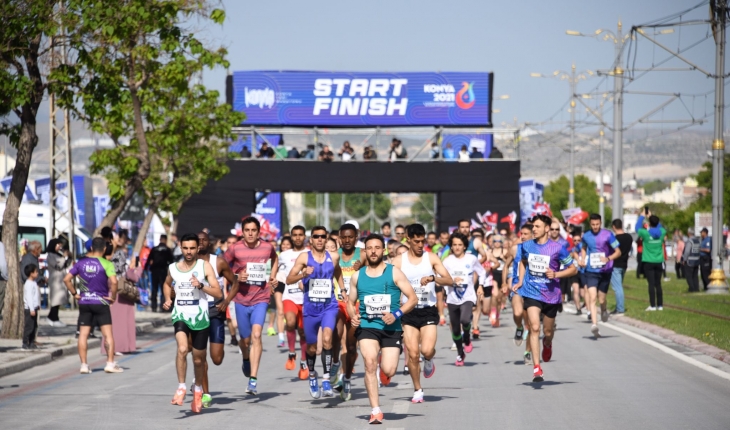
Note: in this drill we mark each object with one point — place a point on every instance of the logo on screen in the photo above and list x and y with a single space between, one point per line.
465 97
260 98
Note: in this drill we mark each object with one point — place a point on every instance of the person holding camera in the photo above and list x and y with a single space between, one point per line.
652 257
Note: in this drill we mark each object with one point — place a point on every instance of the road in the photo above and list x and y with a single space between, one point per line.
611 383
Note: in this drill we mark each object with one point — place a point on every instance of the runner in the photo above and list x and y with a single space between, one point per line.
419 326
465 271
231 311
351 259
285 245
539 287
317 270
378 288
248 258
97 291
292 300
498 252
216 309
518 309
597 258
194 281
577 282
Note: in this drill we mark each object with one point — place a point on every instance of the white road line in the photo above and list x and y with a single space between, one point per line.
670 351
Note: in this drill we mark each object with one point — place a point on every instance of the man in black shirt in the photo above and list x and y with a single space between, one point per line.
620 264
157 263
326 154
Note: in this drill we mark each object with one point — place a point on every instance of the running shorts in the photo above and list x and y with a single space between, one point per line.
249 316
199 337
386 338
418 318
326 318
439 289
231 311
497 275
296 309
550 310
488 290
217 329
93 315
598 280
280 288
582 277
343 312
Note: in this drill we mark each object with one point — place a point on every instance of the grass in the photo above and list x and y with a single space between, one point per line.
708 329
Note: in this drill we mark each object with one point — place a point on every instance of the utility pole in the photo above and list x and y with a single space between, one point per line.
618 114
571 190
601 203
326 211
718 283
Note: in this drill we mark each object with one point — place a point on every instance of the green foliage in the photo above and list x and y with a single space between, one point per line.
586 196
654 186
422 210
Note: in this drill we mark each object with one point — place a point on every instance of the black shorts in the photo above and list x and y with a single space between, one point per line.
217 327
487 291
93 315
497 275
550 310
598 280
565 285
199 337
418 318
280 288
386 338
439 289
582 278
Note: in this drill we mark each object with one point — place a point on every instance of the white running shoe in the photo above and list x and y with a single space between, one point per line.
453 346
85 369
113 368
650 308
59 323
660 308
594 330
417 396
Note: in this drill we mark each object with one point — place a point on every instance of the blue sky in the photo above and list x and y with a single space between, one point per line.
510 38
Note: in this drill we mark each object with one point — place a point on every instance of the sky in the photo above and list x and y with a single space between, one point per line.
510 38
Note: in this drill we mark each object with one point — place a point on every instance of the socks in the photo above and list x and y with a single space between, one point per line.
303 346
326 362
281 337
376 410
182 386
291 338
311 359
198 389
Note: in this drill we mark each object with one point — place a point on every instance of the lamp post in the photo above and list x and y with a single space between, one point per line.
573 77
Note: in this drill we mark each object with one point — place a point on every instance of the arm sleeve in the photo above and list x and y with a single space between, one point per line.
565 257
639 223
108 268
613 241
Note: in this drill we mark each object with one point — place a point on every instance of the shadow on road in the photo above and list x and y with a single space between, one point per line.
188 413
595 339
539 385
390 416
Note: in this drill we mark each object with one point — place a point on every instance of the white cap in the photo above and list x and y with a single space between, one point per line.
353 222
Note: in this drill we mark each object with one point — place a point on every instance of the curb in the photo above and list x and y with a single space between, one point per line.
47 356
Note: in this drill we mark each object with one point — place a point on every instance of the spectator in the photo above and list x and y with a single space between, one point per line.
308 153
56 263
449 154
245 152
265 151
124 329
3 276
652 257
292 153
496 153
639 254
476 154
705 257
30 257
397 150
678 252
176 251
620 264
326 154
346 152
434 154
281 151
368 154
691 261
158 262
31 306
385 231
464 155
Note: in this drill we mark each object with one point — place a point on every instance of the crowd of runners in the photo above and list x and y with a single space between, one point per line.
378 297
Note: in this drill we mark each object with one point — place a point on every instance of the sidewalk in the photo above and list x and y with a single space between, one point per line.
60 341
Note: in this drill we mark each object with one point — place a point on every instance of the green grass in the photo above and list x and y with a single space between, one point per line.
714 331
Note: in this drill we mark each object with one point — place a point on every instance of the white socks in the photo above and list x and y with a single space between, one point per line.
182 386
376 410
198 389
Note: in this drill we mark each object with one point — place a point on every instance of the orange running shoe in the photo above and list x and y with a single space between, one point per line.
475 333
303 372
493 318
291 362
197 405
376 418
385 380
179 397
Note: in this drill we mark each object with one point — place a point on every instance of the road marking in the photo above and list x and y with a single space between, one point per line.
670 351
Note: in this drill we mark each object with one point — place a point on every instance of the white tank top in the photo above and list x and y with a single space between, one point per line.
463 268
286 262
414 272
191 304
213 260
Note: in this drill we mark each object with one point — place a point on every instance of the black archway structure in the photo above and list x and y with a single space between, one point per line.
463 188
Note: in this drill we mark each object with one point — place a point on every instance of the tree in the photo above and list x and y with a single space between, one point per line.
586 196
422 210
134 60
654 186
25 26
356 206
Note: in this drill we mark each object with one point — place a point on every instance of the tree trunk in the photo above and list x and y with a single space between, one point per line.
142 234
13 310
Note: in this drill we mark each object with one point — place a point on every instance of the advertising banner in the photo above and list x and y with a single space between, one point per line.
269 208
83 201
101 207
703 220
358 99
531 197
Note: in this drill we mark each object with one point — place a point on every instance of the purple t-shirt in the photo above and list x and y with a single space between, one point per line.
598 245
94 274
537 259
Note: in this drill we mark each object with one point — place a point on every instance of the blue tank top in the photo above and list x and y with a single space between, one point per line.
319 290
516 265
377 295
471 250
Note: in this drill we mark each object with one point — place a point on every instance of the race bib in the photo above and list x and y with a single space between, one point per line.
595 259
421 292
376 304
320 289
293 289
538 264
256 274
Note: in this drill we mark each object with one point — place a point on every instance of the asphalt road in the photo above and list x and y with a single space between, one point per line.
611 383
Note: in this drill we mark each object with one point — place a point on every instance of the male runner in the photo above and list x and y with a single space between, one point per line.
378 288
248 258
430 241
216 309
351 259
317 269
442 250
292 299
539 287
97 291
419 326
194 281
518 310
231 311
498 252
597 258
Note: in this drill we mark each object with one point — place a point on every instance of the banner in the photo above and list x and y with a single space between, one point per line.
269 208
531 193
703 220
83 200
363 99
452 143
28 195
101 207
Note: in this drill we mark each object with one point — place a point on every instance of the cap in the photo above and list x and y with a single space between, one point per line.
353 222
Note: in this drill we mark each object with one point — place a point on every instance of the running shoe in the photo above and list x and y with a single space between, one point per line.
588 315
303 372
384 379
405 370
281 343
493 317
207 400
475 332
527 358
650 309
442 320
327 389
518 335
314 387
453 346
417 396
291 362
459 361
246 368
376 418
547 351
85 369
579 312
334 372
337 385
469 348
113 368
429 368
234 341
271 331
660 308
251 389
604 316
537 375
179 397
346 393
594 330
197 404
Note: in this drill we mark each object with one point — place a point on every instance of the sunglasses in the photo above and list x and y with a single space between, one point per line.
497 241
554 229
319 236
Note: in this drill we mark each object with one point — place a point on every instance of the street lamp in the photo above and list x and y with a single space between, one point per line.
572 79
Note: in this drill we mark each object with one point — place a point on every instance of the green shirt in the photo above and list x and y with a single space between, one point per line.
653 251
377 295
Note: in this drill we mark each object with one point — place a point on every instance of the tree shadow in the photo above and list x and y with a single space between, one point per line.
539 385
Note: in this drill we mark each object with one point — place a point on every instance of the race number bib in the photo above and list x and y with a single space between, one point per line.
293 289
320 289
187 295
421 292
595 259
538 264
376 304
256 274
